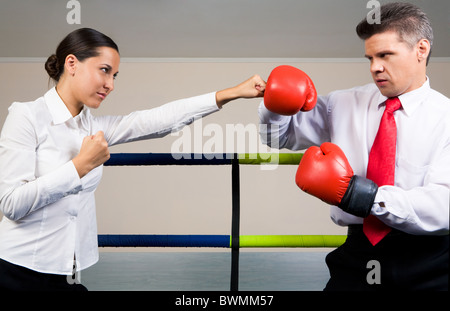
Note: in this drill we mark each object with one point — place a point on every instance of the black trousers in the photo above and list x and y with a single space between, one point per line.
398 262
17 278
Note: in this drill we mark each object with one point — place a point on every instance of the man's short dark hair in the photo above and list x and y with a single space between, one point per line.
408 20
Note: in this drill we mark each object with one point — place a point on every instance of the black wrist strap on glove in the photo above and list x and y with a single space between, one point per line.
359 197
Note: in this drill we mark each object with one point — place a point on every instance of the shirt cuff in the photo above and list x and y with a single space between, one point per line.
62 182
266 116
379 207
210 102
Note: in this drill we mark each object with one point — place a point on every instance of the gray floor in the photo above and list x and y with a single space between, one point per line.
204 271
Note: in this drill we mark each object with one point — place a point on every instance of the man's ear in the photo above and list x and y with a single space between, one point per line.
423 50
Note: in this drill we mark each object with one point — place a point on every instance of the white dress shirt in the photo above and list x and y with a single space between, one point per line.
49 212
418 203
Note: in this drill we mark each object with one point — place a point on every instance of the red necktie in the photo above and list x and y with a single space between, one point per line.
381 167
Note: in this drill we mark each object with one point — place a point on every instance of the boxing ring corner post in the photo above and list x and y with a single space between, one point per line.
235 224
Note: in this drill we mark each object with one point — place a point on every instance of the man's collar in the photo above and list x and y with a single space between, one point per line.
411 100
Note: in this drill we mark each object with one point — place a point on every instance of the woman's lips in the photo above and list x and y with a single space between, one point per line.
102 95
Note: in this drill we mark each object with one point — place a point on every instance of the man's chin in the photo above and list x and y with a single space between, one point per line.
388 92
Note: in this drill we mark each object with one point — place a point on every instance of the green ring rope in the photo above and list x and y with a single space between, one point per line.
286 241
270 158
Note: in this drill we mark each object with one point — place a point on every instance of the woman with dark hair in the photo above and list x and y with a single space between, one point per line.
51 155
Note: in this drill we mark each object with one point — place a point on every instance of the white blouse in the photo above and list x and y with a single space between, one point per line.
49 212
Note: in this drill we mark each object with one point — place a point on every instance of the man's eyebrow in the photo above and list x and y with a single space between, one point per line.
379 53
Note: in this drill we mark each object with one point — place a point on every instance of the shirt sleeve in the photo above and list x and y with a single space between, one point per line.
296 132
420 210
21 192
156 122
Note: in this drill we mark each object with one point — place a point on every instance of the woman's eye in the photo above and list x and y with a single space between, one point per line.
108 70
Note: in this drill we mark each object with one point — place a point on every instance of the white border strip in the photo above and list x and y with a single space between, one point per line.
218 60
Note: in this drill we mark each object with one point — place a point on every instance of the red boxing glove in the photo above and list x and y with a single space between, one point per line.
289 90
326 174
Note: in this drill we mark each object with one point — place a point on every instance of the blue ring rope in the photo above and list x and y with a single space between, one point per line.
136 159
149 240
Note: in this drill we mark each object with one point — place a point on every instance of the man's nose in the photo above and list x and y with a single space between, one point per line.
376 66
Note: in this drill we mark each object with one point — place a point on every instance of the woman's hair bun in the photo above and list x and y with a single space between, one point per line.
83 43
52 67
